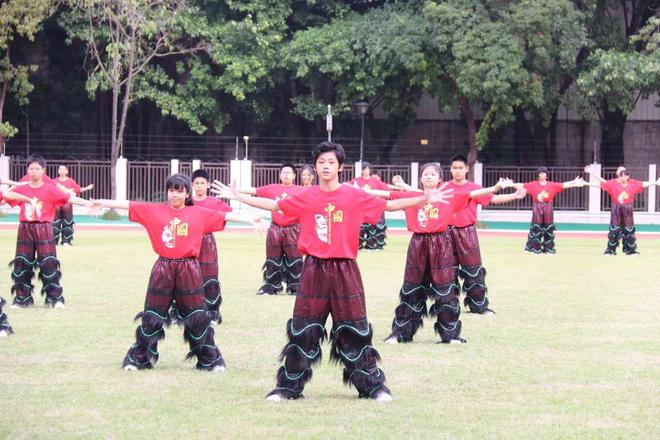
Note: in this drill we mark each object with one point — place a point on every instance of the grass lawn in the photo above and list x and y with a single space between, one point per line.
573 352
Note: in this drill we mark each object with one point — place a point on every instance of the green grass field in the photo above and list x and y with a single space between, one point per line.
573 352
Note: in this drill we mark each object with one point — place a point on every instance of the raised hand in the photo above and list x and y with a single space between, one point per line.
587 169
504 182
223 191
439 195
36 206
520 193
397 180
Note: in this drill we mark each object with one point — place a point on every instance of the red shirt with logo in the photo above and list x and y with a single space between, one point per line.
277 191
369 183
213 203
622 195
467 215
69 183
49 199
543 193
330 220
431 217
176 233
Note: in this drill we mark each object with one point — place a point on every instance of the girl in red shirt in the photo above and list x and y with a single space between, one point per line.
623 191
330 216
541 237
431 262
175 230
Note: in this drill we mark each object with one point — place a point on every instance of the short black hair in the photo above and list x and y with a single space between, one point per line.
178 182
542 169
366 164
288 165
458 158
200 172
36 158
329 147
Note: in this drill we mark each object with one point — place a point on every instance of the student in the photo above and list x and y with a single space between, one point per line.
330 216
541 237
63 222
370 238
35 235
307 176
175 230
283 259
431 263
622 190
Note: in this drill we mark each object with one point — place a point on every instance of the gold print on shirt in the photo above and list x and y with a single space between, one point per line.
284 195
324 222
32 212
425 213
543 196
623 197
173 230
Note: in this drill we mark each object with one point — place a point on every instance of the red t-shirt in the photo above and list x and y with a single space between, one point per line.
622 195
369 183
330 220
467 215
277 191
50 198
45 178
213 203
176 233
543 193
69 183
431 217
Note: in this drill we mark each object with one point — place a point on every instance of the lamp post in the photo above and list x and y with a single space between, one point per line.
246 139
363 108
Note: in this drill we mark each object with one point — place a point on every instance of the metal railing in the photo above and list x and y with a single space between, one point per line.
575 199
185 168
146 181
217 171
386 172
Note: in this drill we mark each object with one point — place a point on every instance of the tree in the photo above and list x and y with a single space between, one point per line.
18 19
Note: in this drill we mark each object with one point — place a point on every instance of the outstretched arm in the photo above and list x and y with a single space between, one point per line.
400 184
87 188
588 170
242 217
231 192
11 182
82 202
377 193
440 195
11 195
651 183
113 204
506 198
502 183
250 191
578 182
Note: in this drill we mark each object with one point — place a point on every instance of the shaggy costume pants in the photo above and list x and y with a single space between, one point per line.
373 236
36 239
471 272
283 260
63 224
330 287
208 263
541 237
4 323
177 280
430 273
622 227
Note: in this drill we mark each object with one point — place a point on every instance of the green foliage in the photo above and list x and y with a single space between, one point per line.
7 130
111 215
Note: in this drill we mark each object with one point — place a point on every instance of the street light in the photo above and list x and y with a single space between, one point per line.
362 108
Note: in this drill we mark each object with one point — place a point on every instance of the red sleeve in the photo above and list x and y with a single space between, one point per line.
60 197
139 212
638 186
607 186
527 185
222 206
19 189
293 205
372 208
76 187
483 200
213 220
460 200
264 191
558 187
394 195
382 185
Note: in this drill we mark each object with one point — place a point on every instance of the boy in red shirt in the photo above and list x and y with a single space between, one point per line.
283 259
541 237
370 238
330 216
63 222
5 328
431 263
175 230
622 191
35 235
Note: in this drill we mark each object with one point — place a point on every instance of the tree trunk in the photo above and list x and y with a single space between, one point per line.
612 124
468 115
523 137
3 95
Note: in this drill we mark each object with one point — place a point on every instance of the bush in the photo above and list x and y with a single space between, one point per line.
111 214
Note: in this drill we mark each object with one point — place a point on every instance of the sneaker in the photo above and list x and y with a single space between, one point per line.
392 339
218 369
58 305
130 367
66 244
275 397
454 341
383 396
4 333
16 306
487 312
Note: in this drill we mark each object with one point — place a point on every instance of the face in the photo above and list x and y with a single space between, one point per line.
543 176
459 170
430 178
307 177
327 166
177 197
200 186
35 171
366 172
624 177
62 171
287 176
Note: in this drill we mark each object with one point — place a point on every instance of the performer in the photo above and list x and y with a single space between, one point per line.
431 263
330 216
307 176
5 328
370 238
541 238
283 259
463 233
63 222
622 191
175 230
35 235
